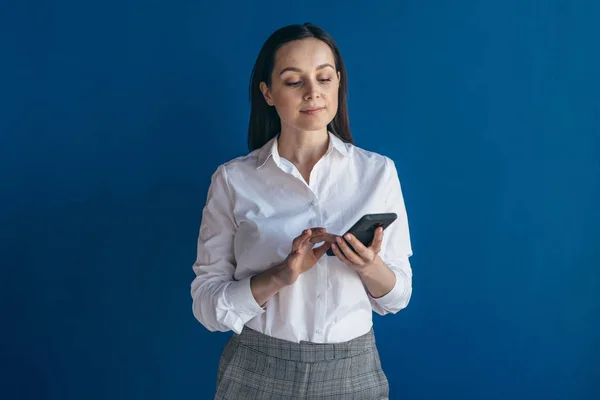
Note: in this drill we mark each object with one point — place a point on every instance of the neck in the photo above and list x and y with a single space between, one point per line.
302 147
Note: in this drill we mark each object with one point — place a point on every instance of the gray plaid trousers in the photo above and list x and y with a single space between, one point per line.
257 366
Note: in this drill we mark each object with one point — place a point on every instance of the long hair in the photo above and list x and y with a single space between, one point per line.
264 120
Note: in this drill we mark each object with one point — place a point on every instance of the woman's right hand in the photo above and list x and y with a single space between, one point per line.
303 256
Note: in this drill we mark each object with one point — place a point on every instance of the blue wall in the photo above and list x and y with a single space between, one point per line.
114 114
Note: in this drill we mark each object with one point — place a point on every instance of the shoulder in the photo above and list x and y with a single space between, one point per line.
237 166
372 159
239 163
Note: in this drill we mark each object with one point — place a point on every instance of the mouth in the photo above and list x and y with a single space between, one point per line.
312 110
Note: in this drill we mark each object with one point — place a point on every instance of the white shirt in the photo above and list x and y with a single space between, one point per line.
257 204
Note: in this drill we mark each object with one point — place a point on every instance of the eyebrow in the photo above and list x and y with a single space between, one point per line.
320 67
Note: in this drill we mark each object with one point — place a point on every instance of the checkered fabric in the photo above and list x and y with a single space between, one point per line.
258 366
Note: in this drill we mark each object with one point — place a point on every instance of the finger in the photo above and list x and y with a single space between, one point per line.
314 231
323 237
339 254
377 240
359 248
299 241
348 252
319 251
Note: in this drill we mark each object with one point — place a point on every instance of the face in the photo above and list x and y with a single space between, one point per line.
304 85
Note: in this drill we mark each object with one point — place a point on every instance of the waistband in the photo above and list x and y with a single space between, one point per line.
304 351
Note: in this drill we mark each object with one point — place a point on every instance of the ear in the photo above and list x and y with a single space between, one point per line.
266 93
339 76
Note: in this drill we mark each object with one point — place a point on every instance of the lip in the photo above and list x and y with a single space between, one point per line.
312 110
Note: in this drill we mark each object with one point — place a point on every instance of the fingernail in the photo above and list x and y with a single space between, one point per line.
338 239
349 237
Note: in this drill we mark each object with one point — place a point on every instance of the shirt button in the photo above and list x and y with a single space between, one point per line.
319 297
318 331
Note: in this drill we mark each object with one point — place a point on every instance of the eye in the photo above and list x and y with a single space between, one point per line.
325 80
293 84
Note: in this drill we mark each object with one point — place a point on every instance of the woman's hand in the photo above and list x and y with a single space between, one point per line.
303 257
362 258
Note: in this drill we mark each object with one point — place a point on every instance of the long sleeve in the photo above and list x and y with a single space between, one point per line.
220 302
395 249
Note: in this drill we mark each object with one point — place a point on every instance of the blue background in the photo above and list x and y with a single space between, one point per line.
114 115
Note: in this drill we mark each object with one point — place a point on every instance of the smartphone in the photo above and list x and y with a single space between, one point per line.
364 228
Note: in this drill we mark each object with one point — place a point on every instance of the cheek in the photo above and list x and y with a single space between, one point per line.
288 97
333 96
284 109
286 102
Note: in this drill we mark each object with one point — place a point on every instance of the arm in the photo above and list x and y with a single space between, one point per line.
379 279
267 284
387 278
395 252
219 302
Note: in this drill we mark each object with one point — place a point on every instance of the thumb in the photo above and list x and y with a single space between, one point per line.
377 240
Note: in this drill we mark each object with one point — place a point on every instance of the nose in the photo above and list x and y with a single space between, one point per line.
312 90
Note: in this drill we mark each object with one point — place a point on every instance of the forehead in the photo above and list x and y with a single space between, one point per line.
305 54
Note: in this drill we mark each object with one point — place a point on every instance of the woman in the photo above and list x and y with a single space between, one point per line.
302 320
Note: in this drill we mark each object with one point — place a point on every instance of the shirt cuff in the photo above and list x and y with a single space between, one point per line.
239 296
390 300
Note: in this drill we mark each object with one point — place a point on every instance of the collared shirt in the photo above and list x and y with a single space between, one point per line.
257 204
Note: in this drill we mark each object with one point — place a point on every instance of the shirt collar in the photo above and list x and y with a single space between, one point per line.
270 149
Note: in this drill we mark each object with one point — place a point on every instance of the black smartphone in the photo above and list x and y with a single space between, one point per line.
364 228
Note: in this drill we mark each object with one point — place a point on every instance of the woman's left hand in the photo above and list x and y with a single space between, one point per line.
362 257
